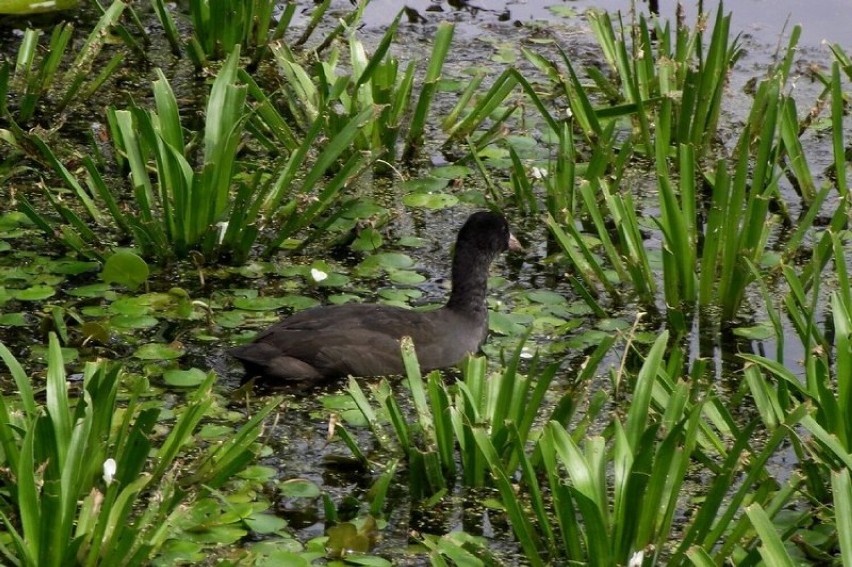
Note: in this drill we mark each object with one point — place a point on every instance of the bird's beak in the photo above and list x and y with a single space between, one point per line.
514 244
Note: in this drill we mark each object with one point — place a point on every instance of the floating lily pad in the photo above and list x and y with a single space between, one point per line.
264 523
73 267
125 268
39 352
184 378
760 332
158 351
507 324
452 171
230 319
13 320
94 331
369 239
434 201
273 303
425 184
134 321
563 11
258 472
406 277
34 293
92 290
545 296
131 306
215 431
411 241
299 488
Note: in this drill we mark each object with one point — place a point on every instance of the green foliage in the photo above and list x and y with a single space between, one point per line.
93 484
179 208
36 72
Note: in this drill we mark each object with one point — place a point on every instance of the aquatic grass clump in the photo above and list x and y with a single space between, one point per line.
37 72
216 208
89 482
374 81
441 441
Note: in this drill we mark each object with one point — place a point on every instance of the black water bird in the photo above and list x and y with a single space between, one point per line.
328 342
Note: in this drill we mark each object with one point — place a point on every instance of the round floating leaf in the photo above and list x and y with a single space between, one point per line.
13 320
546 297
434 201
265 523
184 378
73 267
425 184
406 277
369 239
273 303
92 290
299 488
133 321
34 293
158 351
125 268
451 171
760 332
94 331
368 561
507 324
258 473
214 431
131 306
389 260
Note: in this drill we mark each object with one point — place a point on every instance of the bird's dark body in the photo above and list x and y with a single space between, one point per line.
364 339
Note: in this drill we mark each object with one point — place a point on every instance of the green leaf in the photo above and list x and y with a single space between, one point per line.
34 293
299 488
125 268
184 378
158 351
433 201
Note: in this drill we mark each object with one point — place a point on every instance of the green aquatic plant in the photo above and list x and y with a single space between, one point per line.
216 208
374 81
88 481
38 70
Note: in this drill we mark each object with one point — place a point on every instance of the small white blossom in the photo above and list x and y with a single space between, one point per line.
318 275
109 471
538 173
636 559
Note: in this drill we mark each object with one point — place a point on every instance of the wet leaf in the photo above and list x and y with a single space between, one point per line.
452 171
258 473
92 290
184 378
125 268
760 332
563 11
425 184
434 201
158 351
13 320
133 321
545 296
94 331
265 523
272 303
369 239
299 488
34 293
406 277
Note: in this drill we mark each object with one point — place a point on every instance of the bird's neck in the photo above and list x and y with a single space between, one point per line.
470 282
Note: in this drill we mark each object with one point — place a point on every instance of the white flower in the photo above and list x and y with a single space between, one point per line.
109 470
538 173
318 275
636 559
